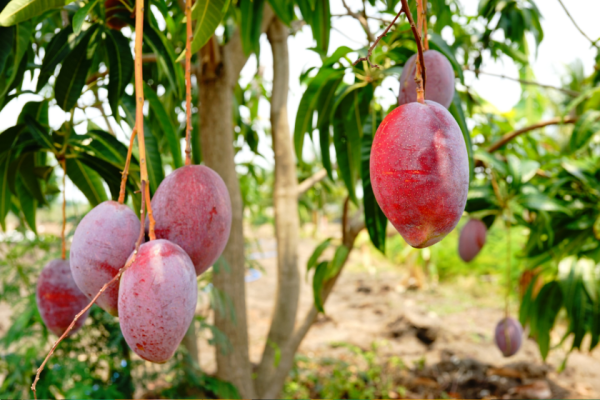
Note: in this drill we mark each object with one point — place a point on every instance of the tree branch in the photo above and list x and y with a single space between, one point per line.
511 135
593 42
311 181
524 82
362 20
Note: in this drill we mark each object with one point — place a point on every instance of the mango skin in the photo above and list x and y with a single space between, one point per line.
102 243
420 172
508 336
440 79
59 299
472 239
157 300
192 209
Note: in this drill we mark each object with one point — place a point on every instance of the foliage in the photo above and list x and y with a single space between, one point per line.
367 376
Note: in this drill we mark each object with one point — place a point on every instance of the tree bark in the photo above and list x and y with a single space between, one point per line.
285 200
221 67
350 230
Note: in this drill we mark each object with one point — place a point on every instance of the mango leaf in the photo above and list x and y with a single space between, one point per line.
120 67
335 265
86 180
324 106
73 73
284 10
22 10
587 125
37 110
208 15
166 60
166 125
154 162
542 203
312 261
320 23
491 162
7 37
80 15
548 303
5 161
351 110
23 33
252 14
308 104
29 177
436 42
39 133
318 279
108 172
340 52
56 51
456 110
375 219
10 136
107 147
27 203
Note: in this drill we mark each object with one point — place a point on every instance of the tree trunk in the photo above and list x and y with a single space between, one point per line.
285 200
216 133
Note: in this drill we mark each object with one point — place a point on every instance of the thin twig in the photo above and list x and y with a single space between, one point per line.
106 286
126 169
376 42
63 162
362 20
511 135
188 80
593 42
150 214
311 181
524 82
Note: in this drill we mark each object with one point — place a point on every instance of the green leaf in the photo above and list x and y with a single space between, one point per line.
37 110
492 162
587 125
29 177
438 43
39 133
56 51
9 137
341 253
106 170
107 147
27 203
320 24
324 106
22 10
252 14
86 180
284 10
208 15
312 261
548 303
7 37
23 33
80 15
340 52
308 104
166 125
456 110
375 219
318 279
350 112
120 67
166 60
73 73
541 202
5 161
154 162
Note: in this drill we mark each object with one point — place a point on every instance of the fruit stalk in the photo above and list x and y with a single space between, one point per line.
63 162
424 32
126 169
188 80
139 108
106 286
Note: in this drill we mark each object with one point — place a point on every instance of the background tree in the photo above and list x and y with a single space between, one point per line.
545 184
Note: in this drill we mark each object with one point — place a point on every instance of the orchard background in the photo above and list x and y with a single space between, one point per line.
269 79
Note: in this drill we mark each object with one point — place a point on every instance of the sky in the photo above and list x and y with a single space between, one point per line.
562 45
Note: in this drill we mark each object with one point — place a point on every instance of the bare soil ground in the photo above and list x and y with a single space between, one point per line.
370 303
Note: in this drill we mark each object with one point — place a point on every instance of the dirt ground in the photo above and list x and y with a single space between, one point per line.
370 303
446 328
